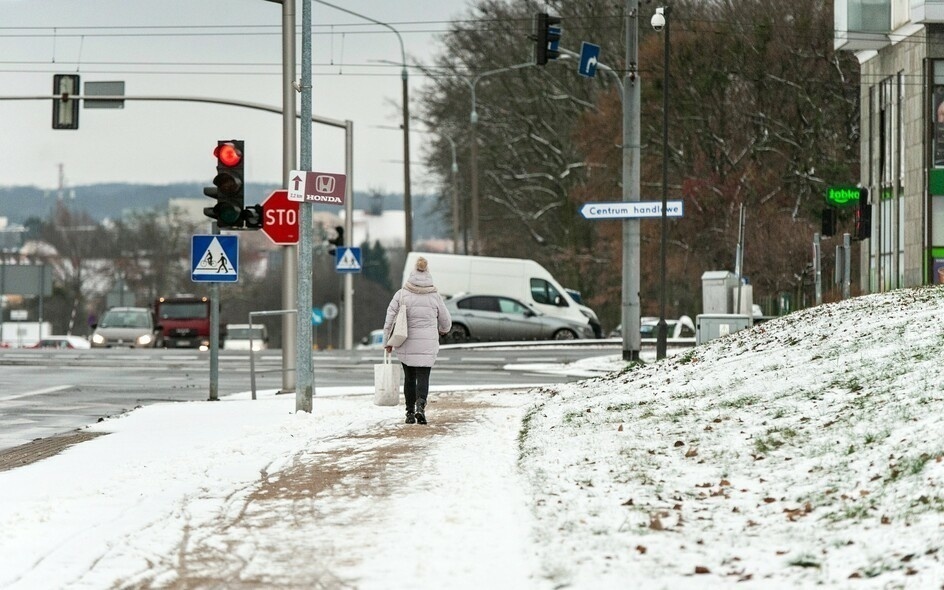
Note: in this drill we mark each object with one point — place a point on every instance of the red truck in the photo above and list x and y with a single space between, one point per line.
182 321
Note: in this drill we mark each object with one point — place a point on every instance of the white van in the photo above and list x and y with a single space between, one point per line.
523 279
238 337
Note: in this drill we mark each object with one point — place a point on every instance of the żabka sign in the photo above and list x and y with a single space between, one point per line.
844 196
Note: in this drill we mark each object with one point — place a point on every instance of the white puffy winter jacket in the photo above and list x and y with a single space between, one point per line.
427 318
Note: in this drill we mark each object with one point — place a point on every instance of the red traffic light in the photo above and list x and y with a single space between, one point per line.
228 154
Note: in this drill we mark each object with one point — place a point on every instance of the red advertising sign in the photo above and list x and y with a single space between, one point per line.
316 187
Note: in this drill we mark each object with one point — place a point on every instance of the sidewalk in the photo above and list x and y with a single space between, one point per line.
234 495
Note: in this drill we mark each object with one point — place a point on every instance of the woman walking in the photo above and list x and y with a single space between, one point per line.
427 318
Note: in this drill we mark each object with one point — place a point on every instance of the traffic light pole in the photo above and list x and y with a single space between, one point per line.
290 344
214 332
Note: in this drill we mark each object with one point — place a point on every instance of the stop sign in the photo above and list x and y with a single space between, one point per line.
280 218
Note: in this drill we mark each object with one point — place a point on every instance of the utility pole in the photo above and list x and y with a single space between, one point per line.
631 138
290 253
305 372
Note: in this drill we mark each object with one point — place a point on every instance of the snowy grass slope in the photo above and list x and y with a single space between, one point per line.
804 452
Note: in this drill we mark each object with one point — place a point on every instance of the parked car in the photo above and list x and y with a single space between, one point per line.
62 342
130 327
682 327
372 341
490 318
237 337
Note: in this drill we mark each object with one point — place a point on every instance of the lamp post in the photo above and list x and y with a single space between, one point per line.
455 198
474 150
660 22
407 199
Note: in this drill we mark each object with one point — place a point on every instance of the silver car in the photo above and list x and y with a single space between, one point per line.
129 327
490 318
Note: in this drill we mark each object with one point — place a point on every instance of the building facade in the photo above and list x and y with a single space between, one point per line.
900 47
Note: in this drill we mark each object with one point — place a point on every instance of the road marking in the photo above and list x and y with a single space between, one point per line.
36 392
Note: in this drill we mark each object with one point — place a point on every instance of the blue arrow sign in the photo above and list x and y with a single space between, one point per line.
317 316
589 54
214 259
631 209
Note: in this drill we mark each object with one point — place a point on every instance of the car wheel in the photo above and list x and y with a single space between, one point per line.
564 335
458 334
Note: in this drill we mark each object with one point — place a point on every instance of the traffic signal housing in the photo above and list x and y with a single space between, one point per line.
228 185
828 224
252 216
337 241
863 216
547 34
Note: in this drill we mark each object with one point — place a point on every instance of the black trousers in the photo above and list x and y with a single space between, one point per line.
415 385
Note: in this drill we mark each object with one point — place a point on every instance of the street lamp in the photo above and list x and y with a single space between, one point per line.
661 23
474 150
407 200
455 198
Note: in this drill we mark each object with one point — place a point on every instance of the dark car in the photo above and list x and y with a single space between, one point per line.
490 318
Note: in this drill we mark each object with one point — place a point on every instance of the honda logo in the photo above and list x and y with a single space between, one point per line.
324 184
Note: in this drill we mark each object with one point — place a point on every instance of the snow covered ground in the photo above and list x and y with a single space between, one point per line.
805 452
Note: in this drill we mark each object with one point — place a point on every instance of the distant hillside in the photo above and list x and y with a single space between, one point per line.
111 201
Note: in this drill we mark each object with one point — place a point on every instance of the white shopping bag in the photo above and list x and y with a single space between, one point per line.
387 382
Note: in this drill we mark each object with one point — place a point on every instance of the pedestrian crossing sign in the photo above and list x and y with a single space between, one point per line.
214 259
347 260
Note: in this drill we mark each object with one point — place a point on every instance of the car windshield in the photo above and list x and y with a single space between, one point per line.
180 311
125 319
243 333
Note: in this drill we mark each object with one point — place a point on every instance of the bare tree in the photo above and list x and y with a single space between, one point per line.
763 115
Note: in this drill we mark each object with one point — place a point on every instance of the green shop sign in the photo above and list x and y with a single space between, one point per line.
843 196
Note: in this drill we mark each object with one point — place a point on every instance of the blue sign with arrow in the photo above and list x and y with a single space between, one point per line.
589 54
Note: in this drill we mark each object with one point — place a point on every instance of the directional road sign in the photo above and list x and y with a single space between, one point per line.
280 218
317 316
214 259
589 54
347 260
316 187
631 209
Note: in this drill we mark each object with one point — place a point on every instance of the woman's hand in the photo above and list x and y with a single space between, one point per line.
388 348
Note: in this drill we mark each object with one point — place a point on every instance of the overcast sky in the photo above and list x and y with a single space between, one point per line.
177 48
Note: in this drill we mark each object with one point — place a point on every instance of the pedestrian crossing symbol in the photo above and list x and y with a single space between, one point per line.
347 260
214 259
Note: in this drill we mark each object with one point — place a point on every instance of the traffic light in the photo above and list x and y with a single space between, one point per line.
863 216
828 226
228 189
65 109
547 34
338 240
252 215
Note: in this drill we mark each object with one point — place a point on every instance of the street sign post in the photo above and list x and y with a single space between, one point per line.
280 218
631 209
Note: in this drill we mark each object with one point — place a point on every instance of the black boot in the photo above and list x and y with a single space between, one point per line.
410 417
421 411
